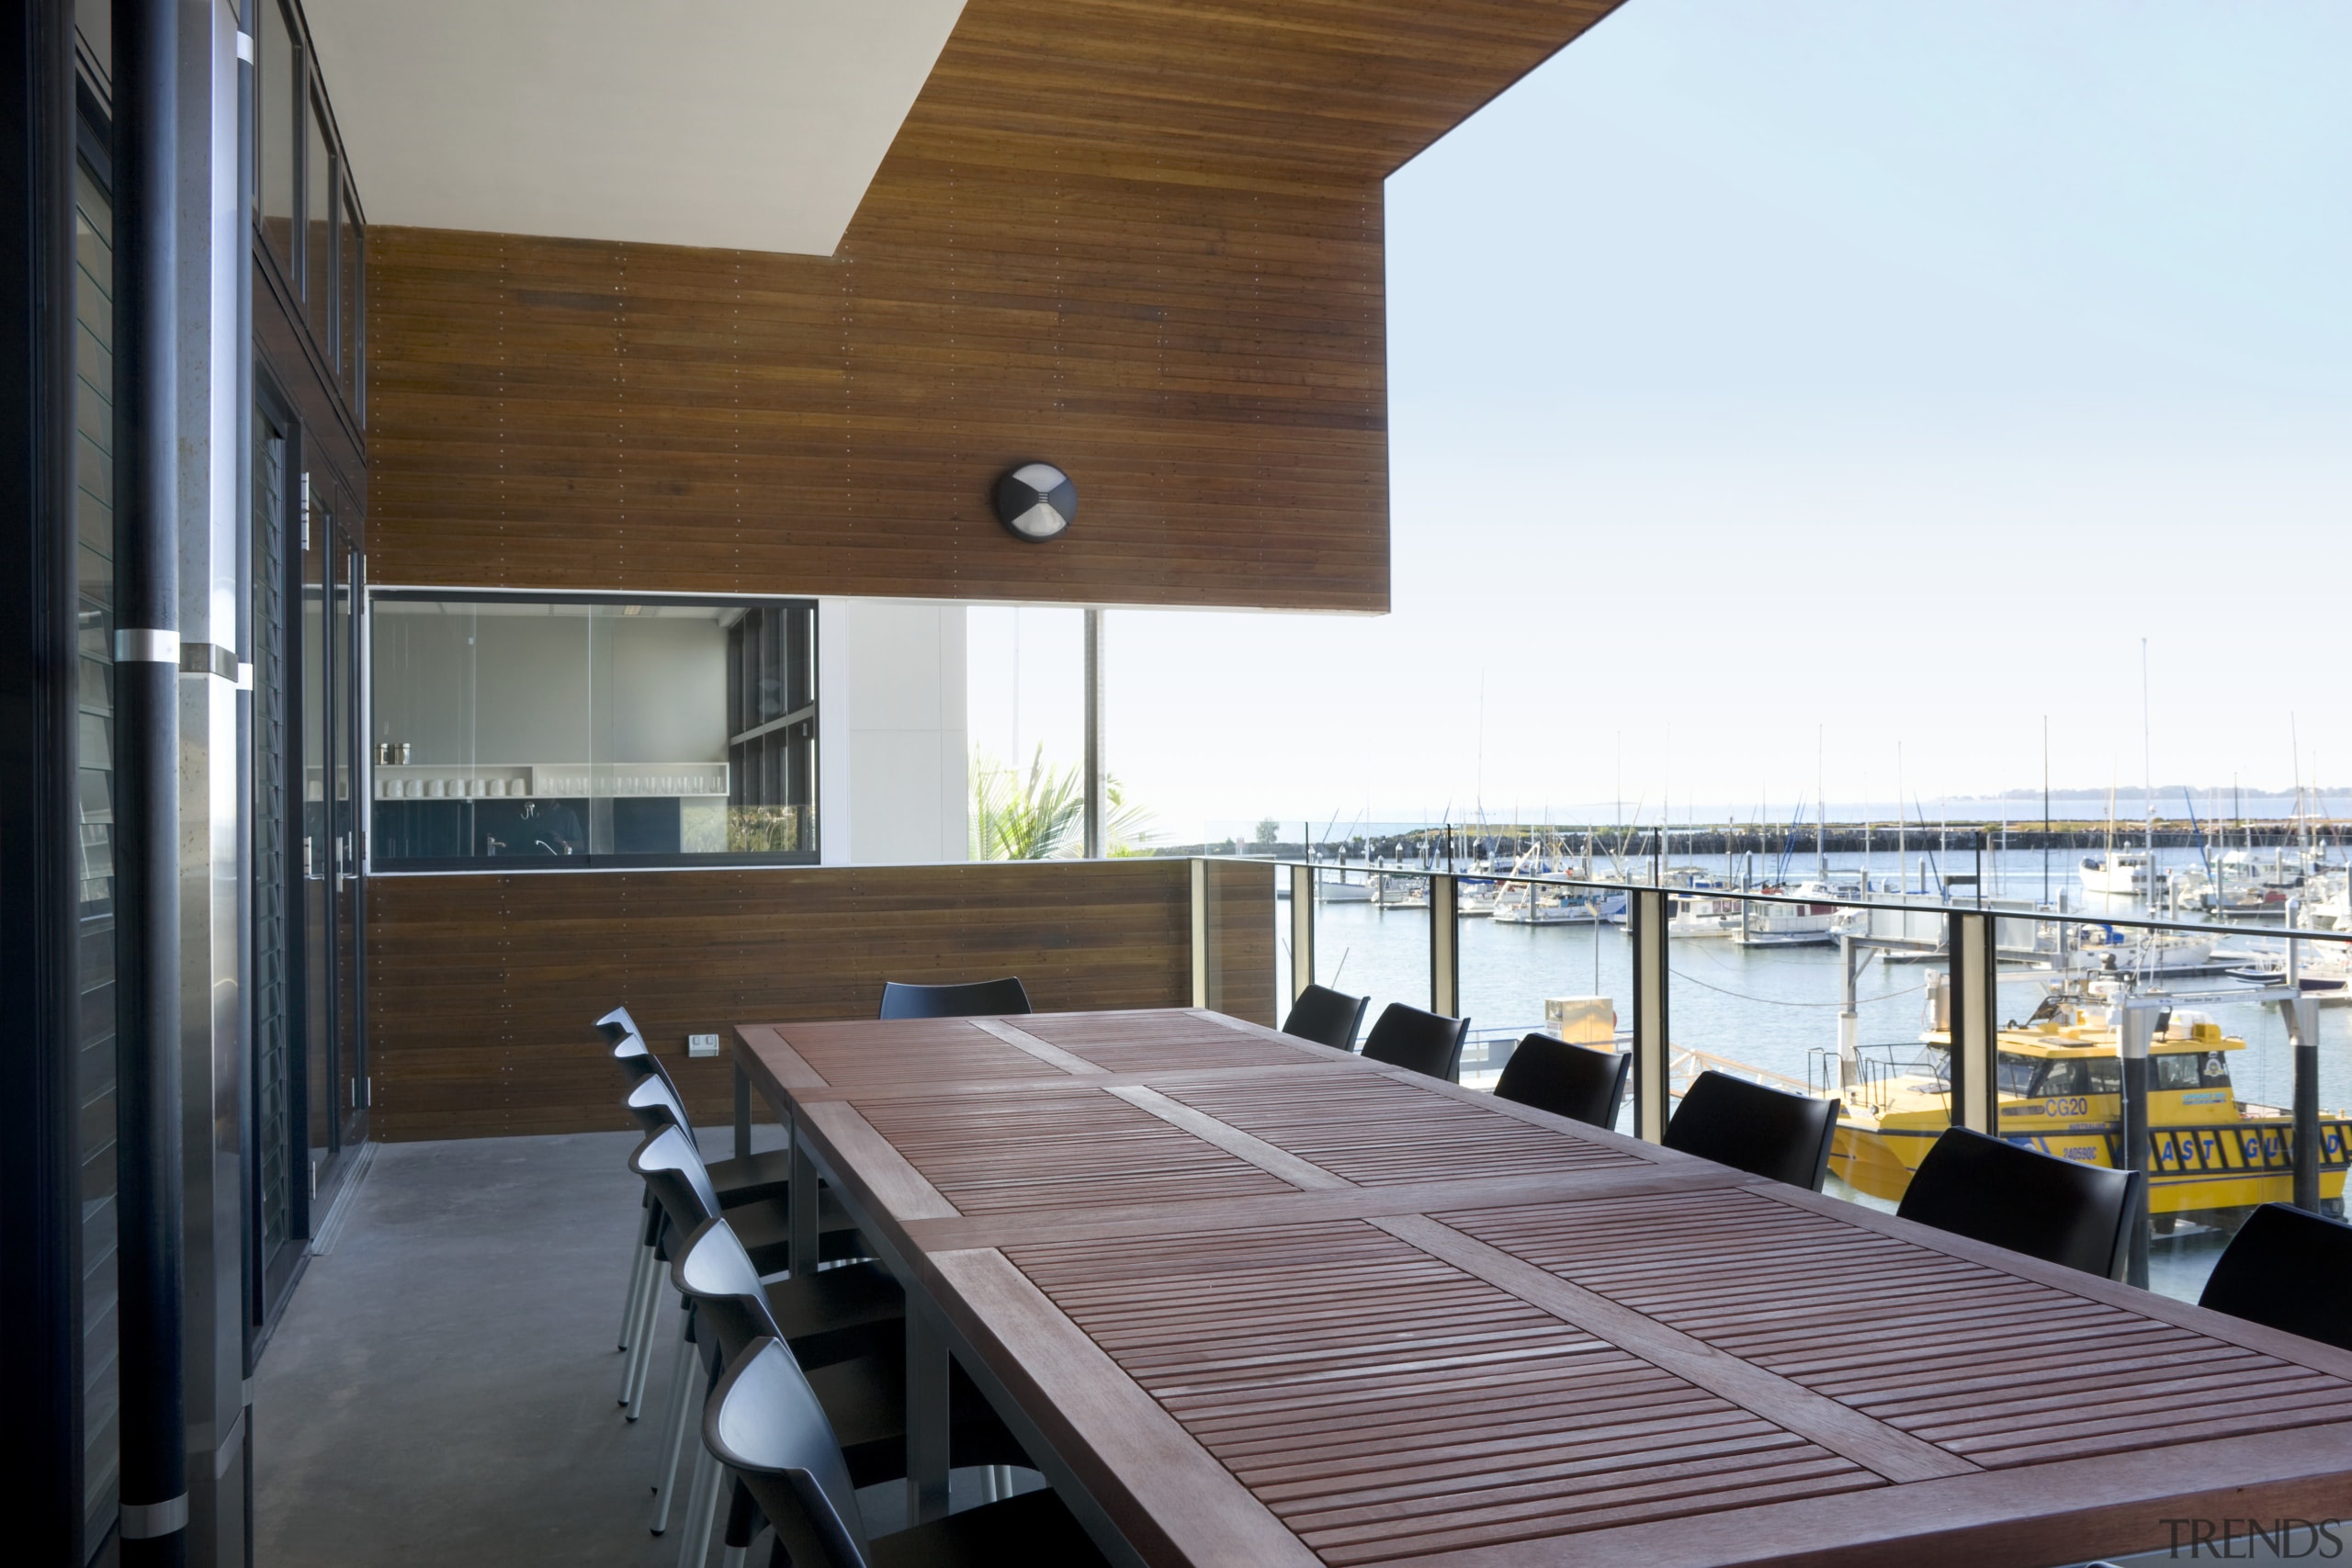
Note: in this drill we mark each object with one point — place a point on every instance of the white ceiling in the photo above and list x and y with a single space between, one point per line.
750 124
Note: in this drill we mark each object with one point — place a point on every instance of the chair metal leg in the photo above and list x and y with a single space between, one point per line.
645 1366
682 1398
633 1333
637 1265
640 1341
702 1509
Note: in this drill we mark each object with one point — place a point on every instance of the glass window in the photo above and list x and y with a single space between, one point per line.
280 99
554 729
2178 1069
318 227
349 249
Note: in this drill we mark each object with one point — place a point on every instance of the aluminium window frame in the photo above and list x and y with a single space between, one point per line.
480 866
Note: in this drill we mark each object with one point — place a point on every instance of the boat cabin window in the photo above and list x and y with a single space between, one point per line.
2018 1075
2061 1078
2191 1069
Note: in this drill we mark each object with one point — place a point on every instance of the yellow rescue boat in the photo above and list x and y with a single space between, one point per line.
2061 1093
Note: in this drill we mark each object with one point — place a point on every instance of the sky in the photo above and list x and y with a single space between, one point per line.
1818 388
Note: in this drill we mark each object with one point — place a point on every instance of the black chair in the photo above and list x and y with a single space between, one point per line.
683 1198
1425 1041
1574 1081
750 1179
742 1182
2290 1270
827 1317
977 999
863 1396
2060 1211
767 1425
1327 1017
1761 1131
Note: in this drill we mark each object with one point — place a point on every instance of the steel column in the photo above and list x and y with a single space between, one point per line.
1975 1024
147 653
212 254
1302 929
1647 913
1445 945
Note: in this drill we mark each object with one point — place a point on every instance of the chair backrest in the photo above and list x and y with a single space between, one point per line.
1764 1132
2290 1270
1574 1081
2060 1211
1327 1017
634 1057
618 1025
675 1174
763 1421
714 1272
655 1105
977 999
1426 1042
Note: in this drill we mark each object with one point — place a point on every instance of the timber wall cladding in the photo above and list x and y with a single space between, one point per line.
481 989
1137 238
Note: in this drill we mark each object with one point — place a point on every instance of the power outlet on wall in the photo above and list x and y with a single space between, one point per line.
702 1044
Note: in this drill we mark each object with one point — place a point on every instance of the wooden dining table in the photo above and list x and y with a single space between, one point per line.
1246 1299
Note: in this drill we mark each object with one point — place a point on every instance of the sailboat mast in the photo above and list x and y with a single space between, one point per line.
1820 809
1902 825
2147 774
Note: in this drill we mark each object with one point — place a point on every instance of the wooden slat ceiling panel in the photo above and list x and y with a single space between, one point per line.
1357 1387
2000 1371
1142 240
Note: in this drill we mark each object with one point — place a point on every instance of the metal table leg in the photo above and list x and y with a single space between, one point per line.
927 1417
803 1204
742 1110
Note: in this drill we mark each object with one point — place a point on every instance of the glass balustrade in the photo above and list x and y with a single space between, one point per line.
1841 981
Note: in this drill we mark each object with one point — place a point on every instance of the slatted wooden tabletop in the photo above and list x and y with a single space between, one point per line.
1268 1304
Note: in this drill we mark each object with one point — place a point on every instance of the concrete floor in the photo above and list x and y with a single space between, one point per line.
441 1387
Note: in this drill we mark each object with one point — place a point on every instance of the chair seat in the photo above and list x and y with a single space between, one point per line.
765 1230
750 1178
1035 1528
865 1400
838 1314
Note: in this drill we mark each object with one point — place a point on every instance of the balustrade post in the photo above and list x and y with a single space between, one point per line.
1200 933
1647 911
2138 1033
1445 947
1302 929
2301 1014
1975 1022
